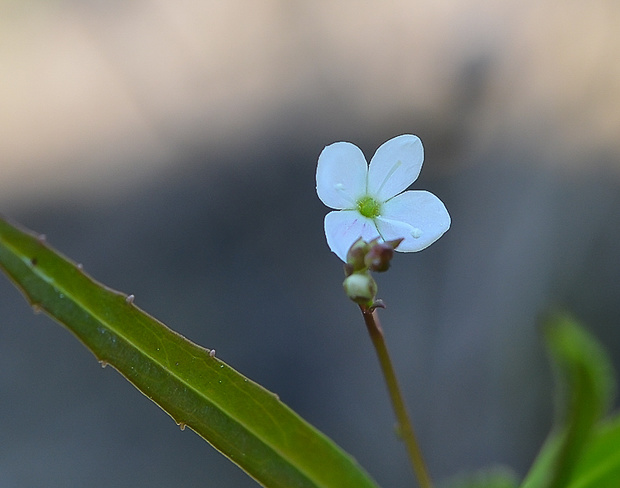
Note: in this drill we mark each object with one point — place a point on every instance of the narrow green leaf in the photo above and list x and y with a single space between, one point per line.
238 417
599 465
495 477
585 384
541 472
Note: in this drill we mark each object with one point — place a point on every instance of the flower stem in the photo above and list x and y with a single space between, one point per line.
405 427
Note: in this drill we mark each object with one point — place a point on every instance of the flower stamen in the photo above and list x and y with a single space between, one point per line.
389 175
339 187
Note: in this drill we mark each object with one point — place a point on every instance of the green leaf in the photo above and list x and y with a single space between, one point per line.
585 384
599 464
238 417
495 477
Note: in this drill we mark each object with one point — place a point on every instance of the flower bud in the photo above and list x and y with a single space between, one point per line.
379 256
355 256
361 288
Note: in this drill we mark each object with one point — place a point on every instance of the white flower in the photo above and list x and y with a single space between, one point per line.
370 201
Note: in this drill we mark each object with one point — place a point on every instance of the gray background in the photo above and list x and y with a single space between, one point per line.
171 148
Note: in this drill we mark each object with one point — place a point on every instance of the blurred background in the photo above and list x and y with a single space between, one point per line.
171 147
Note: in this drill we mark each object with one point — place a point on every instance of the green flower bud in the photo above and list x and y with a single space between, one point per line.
361 288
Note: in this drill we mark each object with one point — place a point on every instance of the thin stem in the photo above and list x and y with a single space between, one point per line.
405 427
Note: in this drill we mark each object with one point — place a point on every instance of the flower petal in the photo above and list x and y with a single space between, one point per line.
344 227
418 216
341 175
395 165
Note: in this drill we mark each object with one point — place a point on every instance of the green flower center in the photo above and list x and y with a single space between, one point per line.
369 207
